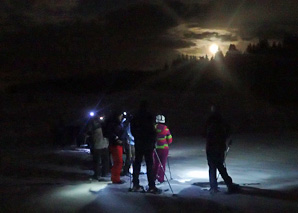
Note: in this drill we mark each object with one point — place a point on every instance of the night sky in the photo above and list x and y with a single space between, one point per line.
138 34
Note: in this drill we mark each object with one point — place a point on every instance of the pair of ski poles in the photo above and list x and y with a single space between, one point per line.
162 170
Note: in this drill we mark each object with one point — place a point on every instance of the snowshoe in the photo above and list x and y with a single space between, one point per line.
154 190
119 182
213 191
159 182
137 189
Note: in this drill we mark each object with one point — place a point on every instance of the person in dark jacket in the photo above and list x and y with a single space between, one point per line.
98 147
217 131
116 141
143 130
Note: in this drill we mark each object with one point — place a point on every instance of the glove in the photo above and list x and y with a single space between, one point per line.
119 142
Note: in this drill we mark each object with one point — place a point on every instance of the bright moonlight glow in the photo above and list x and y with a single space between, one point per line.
213 48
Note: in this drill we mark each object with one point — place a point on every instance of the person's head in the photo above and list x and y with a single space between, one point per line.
215 108
120 117
117 114
215 113
128 116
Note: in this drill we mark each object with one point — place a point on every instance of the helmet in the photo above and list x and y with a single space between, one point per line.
160 119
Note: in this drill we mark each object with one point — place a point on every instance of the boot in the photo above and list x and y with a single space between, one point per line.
233 188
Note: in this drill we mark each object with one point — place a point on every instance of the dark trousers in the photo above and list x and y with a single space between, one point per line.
216 161
100 162
148 154
130 156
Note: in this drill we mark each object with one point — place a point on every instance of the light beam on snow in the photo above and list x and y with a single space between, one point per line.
194 174
82 189
183 180
198 174
73 196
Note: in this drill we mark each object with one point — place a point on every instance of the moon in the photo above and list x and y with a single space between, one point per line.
213 48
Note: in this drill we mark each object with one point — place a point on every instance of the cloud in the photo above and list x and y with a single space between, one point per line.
269 30
268 19
154 17
136 28
252 19
142 19
210 35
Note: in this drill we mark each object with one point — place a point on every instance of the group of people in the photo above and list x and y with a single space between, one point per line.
141 136
144 136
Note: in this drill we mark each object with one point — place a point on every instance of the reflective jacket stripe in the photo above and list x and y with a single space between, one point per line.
162 147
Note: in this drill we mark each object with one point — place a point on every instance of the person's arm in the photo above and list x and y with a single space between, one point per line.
168 136
227 129
129 133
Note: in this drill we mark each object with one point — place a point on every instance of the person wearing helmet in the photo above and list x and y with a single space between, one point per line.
163 139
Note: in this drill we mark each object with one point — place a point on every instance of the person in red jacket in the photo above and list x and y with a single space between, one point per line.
163 139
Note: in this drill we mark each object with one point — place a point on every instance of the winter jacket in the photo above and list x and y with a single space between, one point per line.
116 134
143 130
95 131
127 132
216 132
164 137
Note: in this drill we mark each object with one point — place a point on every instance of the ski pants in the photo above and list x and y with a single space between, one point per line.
216 162
116 152
130 156
100 162
148 154
159 169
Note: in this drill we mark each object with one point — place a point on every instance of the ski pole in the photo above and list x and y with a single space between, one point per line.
130 165
226 153
129 177
169 168
163 171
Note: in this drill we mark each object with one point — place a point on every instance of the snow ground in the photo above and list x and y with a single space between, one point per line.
48 180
